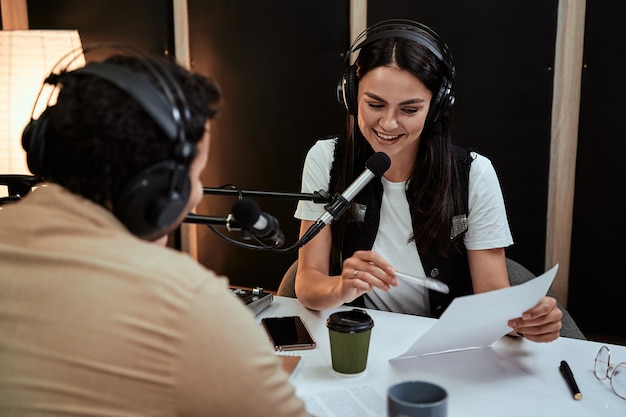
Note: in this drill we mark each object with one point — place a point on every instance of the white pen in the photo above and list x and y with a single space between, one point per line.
431 283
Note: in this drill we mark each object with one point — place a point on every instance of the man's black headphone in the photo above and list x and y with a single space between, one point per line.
151 201
443 100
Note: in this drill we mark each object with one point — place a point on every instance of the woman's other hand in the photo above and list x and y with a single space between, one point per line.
542 323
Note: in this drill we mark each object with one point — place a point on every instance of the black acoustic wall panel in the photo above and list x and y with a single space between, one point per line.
504 56
278 64
142 24
598 242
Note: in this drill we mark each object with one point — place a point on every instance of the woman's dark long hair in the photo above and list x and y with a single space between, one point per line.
433 187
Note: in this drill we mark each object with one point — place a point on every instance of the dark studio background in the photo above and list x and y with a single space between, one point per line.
278 63
599 224
503 94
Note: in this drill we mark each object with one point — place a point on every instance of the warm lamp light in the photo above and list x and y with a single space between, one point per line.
26 59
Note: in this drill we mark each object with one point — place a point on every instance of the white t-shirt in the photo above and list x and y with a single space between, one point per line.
488 226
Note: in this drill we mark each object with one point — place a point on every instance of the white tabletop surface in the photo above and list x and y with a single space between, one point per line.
514 377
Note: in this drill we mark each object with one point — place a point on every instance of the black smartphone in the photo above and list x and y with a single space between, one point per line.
288 333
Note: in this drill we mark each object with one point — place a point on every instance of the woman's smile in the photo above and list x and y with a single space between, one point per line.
386 137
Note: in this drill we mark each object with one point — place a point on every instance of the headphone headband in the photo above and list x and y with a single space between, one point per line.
138 87
443 99
399 33
155 198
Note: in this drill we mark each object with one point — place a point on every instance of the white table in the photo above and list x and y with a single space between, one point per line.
512 378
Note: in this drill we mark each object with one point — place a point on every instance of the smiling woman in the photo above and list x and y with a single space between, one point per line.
437 212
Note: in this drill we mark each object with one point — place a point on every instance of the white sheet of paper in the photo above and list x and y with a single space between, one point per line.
478 320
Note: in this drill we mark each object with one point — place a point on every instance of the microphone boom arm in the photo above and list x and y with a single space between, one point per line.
375 166
321 196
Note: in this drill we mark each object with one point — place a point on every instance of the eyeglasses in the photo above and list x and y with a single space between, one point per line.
616 373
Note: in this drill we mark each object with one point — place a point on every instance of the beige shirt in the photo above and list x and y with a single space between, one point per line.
94 321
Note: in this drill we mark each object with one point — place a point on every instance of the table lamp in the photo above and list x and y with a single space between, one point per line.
26 59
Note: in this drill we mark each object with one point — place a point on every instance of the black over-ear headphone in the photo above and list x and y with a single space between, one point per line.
443 100
154 199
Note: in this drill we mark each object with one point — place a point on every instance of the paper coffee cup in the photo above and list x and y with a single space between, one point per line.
349 333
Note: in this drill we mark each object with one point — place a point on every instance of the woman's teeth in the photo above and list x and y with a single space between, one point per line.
387 137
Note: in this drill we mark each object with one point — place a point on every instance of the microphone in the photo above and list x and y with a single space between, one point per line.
375 166
228 222
248 215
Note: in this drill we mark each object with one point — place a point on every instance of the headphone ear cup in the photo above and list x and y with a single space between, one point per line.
447 102
350 90
149 204
33 142
347 90
443 102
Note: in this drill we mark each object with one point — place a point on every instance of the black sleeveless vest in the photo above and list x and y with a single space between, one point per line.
452 269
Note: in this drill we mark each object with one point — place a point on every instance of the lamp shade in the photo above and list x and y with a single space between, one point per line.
27 57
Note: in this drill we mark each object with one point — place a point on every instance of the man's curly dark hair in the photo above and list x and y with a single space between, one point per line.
98 137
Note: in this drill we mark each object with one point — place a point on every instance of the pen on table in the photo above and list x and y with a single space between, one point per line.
569 378
431 283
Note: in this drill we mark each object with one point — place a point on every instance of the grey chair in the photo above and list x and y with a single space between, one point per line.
517 274
287 284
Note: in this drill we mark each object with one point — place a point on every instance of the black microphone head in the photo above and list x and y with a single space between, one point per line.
378 163
246 212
